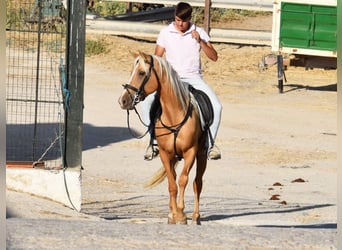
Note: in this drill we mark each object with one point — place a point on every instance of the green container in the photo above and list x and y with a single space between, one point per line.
308 26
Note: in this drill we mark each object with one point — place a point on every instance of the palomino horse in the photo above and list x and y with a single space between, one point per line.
178 129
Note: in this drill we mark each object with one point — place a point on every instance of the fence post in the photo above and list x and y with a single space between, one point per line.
129 7
75 82
280 73
207 16
3 125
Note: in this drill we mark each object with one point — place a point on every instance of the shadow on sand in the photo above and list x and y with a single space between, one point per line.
26 142
294 87
142 207
94 137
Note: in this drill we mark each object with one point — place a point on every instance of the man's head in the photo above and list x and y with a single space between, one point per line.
183 13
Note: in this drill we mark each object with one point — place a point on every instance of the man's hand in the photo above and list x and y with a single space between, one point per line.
207 47
196 35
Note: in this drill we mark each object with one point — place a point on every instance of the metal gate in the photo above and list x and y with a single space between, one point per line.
35 50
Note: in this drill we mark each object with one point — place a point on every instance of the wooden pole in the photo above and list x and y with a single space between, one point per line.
280 73
207 16
75 83
129 7
3 125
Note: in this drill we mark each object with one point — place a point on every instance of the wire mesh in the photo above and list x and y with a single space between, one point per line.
35 44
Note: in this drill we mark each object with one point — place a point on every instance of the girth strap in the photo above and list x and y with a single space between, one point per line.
176 128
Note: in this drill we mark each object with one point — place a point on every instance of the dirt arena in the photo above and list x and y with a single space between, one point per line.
274 188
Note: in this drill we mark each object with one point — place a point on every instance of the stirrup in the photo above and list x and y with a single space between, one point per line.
214 153
151 152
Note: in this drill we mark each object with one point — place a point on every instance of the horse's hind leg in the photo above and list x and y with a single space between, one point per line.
197 186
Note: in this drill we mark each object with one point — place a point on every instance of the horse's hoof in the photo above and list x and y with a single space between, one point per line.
170 219
182 222
181 219
196 220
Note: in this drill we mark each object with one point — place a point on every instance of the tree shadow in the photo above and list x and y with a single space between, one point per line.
94 137
136 207
27 142
155 206
311 226
264 211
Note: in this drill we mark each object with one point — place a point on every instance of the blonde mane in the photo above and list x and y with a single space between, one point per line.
179 88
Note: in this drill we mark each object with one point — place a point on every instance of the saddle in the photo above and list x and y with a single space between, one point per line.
205 107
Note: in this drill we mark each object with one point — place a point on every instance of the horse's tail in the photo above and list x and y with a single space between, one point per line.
157 178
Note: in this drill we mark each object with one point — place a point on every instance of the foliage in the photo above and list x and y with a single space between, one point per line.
109 8
95 47
14 16
222 15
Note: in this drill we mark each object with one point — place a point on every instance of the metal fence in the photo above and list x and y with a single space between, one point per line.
35 47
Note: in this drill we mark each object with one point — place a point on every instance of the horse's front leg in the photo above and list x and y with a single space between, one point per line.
169 166
173 190
183 181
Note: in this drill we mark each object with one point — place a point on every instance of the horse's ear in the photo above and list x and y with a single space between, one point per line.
134 54
143 55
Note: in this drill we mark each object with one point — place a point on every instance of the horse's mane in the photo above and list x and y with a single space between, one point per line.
179 88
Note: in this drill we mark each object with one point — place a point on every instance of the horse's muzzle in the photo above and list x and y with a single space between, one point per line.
125 101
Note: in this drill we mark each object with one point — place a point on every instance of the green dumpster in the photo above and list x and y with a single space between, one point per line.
305 27
308 26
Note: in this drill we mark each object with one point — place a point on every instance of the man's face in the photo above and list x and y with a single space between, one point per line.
182 25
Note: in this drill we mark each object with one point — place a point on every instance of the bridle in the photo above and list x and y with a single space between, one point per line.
140 93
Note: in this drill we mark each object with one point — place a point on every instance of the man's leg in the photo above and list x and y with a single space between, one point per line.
214 153
152 148
145 106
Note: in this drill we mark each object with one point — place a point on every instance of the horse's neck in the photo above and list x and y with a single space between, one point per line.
172 110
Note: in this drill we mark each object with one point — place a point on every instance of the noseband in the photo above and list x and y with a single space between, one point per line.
140 93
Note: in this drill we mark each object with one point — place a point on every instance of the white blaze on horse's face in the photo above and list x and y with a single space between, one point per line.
126 100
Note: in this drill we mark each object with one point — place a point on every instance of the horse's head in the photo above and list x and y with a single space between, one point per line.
142 82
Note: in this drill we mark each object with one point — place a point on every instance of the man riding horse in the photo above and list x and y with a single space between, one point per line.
181 42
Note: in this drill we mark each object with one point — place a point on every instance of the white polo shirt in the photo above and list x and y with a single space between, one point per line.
182 51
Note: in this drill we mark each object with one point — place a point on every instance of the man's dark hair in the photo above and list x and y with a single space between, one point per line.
183 10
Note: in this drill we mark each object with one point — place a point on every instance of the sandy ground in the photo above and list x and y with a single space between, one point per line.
274 188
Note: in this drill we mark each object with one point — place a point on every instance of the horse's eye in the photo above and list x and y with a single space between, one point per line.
142 73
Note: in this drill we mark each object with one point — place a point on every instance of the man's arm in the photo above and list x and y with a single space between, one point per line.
209 50
207 47
159 51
